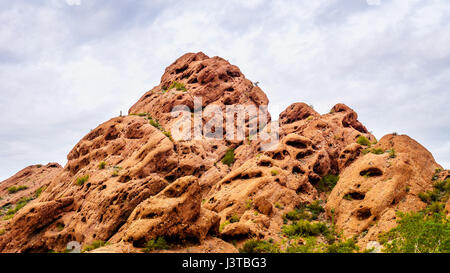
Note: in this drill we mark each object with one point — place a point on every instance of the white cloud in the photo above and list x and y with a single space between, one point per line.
374 2
73 2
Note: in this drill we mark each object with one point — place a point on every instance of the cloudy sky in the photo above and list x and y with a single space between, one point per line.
68 65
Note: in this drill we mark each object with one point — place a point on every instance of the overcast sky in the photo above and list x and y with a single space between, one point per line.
68 65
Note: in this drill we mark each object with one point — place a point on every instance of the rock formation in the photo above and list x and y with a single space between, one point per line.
129 182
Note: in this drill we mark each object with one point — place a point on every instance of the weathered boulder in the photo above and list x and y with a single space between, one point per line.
372 189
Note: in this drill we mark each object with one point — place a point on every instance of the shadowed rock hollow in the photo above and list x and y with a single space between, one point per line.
128 181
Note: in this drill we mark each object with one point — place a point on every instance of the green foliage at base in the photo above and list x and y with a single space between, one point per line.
305 212
304 228
427 231
418 233
94 245
158 244
259 246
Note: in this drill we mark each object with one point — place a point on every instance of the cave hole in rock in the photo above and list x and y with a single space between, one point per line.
371 172
296 144
363 214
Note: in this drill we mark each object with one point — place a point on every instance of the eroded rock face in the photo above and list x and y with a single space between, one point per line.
269 184
214 80
376 186
136 157
128 181
32 177
173 213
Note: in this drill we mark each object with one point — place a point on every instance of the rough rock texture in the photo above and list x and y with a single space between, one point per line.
174 212
129 181
375 187
32 177
272 183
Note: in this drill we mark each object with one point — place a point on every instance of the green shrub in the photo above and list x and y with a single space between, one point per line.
315 208
94 245
39 191
2 232
392 153
139 114
440 192
278 205
178 86
154 123
348 246
328 182
19 205
274 172
249 204
81 180
15 189
102 165
362 140
223 225
297 214
304 228
377 151
168 135
228 159
418 233
158 244
60 226
259 246
234 219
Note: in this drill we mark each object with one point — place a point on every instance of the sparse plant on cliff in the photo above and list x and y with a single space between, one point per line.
19 205
2 232
39 191
274 172
168 135
154 123
81 180
249 204
223 225
392 153
15 189
234 219
228 159
178 86
364 141
102 165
